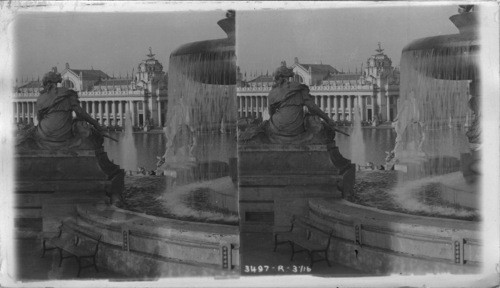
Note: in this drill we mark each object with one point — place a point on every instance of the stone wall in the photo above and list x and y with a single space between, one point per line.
142 245
50 184
276 181
382 242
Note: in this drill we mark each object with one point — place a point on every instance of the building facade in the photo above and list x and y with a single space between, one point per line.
107 99
374 89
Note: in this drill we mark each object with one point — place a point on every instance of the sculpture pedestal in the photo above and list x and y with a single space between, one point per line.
276 181
50 184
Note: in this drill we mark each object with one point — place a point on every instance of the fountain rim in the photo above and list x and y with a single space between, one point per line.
442 42
205 47
466 23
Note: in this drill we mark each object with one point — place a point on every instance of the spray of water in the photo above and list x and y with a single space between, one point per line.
408 196
128 149
357 142
432 111
195 106
430 126
174 200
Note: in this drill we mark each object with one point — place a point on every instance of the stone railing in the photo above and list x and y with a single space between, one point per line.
253 89
112 93
123 93
324 88
26 95
341 88
385 242
144 244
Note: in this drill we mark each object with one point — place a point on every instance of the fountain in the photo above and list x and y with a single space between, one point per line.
439 86
128 149
186 223
358 144
425 220
201 83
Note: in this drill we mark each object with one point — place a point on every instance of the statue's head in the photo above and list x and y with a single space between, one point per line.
283 72
52 77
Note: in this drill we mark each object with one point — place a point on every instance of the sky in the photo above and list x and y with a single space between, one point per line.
116 42
112 42
342 37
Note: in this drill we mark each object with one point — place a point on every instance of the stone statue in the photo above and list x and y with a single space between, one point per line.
410 130
474 132
57 129
293 116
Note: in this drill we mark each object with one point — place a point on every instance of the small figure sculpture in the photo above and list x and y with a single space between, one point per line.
181 137
288 122
474 131
57 129
410 131
390 160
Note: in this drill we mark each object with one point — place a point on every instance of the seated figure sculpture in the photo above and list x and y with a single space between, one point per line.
289 123
57 130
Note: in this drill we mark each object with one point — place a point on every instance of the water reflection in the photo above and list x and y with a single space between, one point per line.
219 147
223 146
377 141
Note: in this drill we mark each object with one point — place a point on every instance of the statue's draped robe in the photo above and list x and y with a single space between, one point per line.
55 119
286 104
289 124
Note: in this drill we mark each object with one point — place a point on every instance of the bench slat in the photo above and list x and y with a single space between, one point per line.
300 234
309 245
80 231
311 224
80 250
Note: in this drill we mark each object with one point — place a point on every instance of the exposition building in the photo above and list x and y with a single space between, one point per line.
374 88
107 99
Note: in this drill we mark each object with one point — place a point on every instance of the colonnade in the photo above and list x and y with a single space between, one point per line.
25 112
252 106
107 112
342 107
338 107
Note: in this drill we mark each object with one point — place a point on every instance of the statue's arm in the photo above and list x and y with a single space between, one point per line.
85 116
81 113
315 110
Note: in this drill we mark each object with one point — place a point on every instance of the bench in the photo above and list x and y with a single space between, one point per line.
74 241
299 234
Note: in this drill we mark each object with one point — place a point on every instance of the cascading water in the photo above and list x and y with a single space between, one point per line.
432 113
436 73
128 149
202 89
201 100
438 83
358 145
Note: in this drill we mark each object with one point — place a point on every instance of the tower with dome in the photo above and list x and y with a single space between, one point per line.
107 98
374 88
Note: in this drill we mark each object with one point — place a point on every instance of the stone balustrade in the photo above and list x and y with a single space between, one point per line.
253 89
384 242
116 93
138 244
326 88
26 95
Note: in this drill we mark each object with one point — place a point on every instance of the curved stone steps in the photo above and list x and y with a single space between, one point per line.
378 241
135 240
